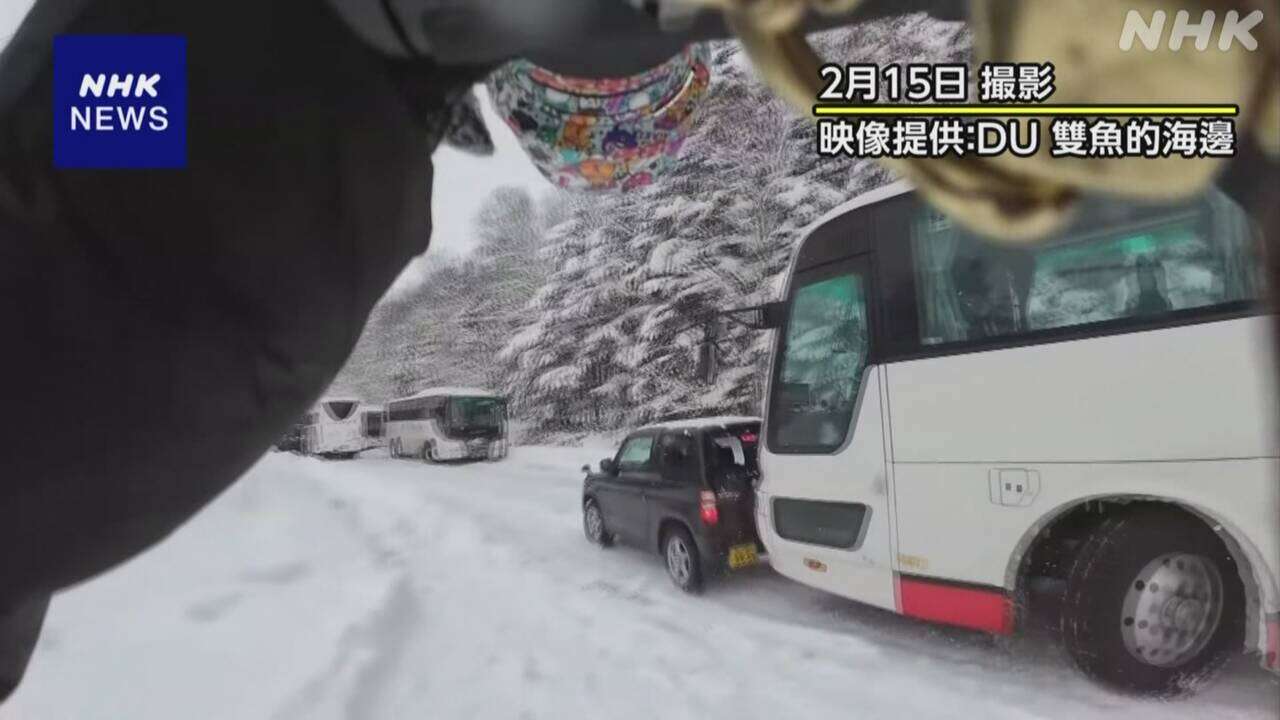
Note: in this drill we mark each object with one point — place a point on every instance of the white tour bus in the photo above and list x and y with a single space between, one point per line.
334 428
448 423
952 423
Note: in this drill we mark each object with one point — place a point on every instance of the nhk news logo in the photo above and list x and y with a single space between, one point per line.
120 101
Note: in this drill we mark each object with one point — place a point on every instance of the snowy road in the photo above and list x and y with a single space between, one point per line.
378 588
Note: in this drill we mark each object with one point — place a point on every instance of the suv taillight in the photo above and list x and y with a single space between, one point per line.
710 514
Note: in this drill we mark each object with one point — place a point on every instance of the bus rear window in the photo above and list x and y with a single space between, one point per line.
475 412
824 349
1118 261
339 409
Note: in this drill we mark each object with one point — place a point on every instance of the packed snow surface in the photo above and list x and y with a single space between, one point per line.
379 588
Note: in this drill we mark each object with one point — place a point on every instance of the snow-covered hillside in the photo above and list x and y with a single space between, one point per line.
378 588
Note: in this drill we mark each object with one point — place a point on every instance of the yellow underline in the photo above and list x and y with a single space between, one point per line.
1031 110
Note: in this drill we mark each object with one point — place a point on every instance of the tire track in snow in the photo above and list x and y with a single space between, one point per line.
372 646
454 538
366 657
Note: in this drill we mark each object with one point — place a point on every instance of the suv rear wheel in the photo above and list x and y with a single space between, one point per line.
1154 603
683 564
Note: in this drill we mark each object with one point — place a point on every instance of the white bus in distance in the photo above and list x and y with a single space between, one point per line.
448 423
951 423
334 428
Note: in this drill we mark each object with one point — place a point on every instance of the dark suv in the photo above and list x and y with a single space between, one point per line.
685 489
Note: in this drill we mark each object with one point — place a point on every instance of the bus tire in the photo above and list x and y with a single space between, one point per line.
1154 603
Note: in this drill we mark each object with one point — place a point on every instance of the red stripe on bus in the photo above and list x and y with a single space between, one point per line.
986 610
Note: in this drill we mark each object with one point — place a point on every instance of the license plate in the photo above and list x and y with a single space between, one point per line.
742 556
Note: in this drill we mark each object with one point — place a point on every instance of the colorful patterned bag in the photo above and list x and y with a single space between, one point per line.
602 134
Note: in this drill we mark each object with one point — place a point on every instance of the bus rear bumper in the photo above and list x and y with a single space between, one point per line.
455 450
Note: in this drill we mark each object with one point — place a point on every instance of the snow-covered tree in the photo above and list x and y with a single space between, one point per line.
449 328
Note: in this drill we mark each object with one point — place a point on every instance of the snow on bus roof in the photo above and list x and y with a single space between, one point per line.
700 422
453 391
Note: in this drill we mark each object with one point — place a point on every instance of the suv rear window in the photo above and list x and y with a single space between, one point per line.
732 457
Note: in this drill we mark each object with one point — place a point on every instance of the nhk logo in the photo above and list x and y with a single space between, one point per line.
1235 29
120 101
111 117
